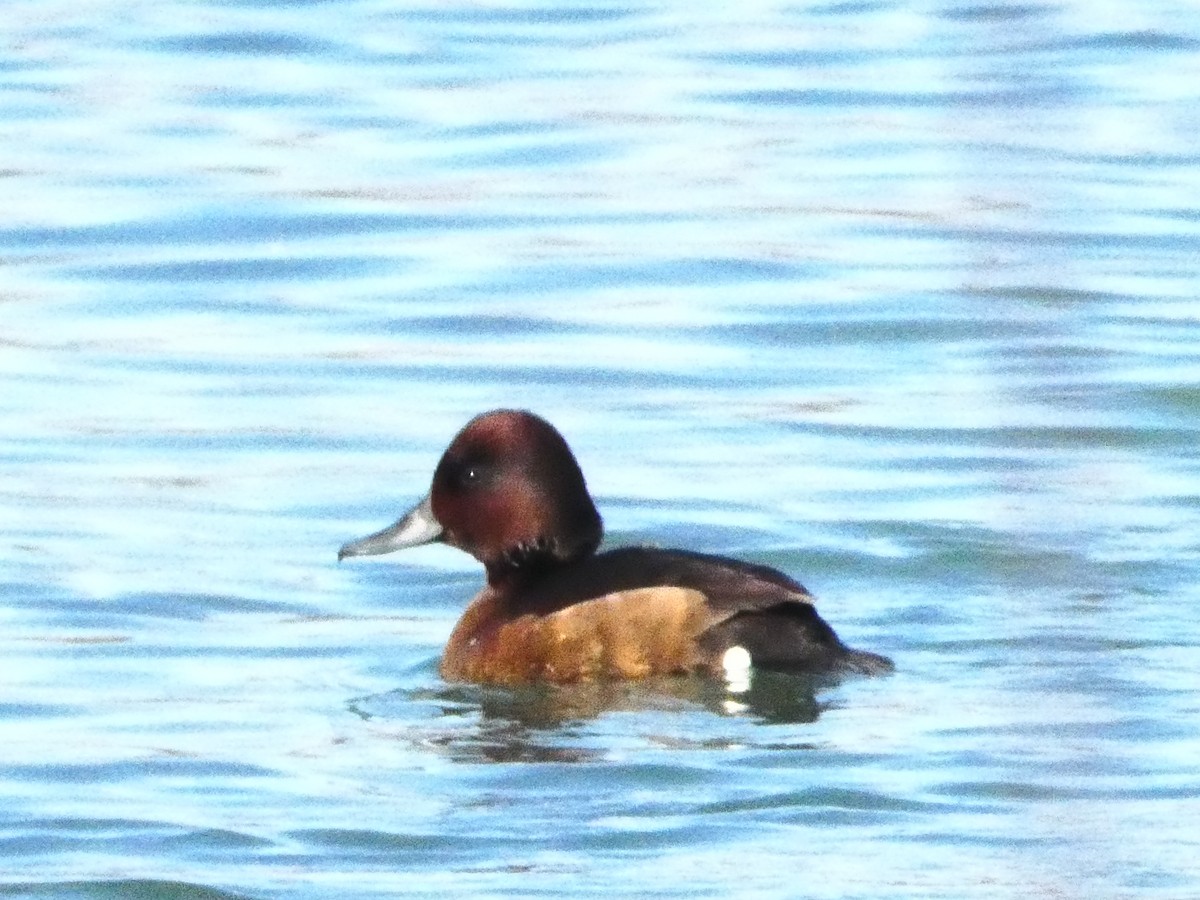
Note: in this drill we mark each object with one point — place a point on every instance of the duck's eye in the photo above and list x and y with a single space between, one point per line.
454 473
471 475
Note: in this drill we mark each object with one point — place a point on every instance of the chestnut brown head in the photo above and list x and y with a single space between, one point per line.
508 491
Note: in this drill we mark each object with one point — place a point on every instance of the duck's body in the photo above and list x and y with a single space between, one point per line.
509 491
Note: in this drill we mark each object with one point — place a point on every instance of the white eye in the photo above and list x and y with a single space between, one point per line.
470 474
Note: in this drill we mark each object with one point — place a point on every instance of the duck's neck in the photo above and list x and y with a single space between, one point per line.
527 562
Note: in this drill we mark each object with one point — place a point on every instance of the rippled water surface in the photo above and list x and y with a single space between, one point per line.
899 298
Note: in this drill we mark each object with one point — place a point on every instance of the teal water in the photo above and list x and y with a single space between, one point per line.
901 300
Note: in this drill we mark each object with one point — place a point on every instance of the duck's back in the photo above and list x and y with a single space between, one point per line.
755 607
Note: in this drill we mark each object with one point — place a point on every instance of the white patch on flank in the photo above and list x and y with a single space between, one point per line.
736 663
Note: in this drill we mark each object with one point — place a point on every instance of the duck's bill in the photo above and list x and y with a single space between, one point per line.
416 528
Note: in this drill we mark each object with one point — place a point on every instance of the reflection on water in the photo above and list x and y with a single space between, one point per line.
899 300
558 722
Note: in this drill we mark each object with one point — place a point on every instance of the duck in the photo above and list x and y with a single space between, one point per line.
555 608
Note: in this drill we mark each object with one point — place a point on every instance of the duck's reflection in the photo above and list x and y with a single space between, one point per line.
575 723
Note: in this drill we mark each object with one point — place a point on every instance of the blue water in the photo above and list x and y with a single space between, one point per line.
900 299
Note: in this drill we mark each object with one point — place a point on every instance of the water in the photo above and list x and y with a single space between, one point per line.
898 299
